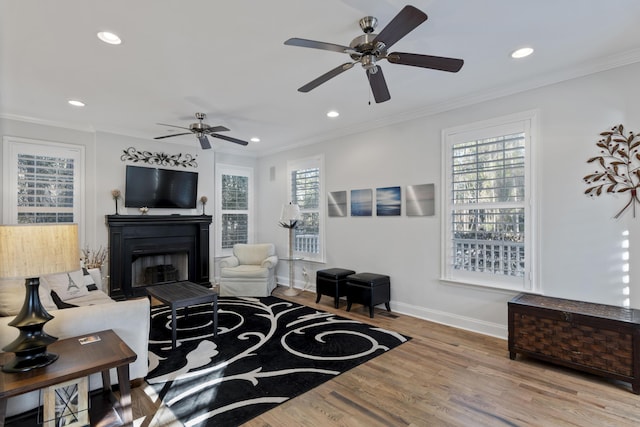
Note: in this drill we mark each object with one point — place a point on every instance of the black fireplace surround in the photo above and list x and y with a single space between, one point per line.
133 236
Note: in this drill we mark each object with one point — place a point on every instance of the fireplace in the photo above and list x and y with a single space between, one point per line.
146 250
159 268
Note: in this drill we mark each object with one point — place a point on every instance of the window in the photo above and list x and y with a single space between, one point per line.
488 203
41 181
306 189
235 193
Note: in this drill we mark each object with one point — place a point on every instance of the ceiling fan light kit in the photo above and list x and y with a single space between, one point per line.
369 48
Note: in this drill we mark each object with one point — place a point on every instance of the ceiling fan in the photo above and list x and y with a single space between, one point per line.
201 130
370 48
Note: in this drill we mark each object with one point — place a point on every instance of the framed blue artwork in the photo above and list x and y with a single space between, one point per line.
388 201
361 202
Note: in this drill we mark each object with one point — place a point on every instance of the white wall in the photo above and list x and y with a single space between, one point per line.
105 171
580 244
47 133
110 148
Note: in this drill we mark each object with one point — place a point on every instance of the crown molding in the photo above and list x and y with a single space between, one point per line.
43 122
547 79
585 69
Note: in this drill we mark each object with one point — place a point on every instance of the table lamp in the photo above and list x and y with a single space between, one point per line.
289 218
31 251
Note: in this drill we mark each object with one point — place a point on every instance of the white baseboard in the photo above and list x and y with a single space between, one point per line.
455 320
461 322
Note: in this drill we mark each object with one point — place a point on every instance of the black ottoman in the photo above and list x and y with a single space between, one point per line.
368 289
332 282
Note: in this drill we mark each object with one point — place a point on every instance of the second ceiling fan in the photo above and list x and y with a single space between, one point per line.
201 130
370 48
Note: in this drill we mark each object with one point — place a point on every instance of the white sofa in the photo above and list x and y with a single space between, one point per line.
250 271
95 312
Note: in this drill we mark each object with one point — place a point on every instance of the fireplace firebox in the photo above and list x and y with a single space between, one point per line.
145 250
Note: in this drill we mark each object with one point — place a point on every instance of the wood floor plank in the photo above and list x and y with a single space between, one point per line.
444 377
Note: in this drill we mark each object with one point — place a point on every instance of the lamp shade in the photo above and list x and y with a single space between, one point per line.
36 250
290 212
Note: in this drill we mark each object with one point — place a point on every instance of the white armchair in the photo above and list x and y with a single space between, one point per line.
250 271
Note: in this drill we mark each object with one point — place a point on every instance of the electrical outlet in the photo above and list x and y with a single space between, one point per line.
304 272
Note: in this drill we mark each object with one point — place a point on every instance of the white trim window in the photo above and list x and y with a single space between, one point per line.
488 203
305 187
42 181
234 218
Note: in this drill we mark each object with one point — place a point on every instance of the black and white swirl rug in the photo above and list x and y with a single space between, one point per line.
268 350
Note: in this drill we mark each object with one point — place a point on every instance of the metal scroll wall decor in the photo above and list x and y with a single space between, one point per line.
164 159
618 169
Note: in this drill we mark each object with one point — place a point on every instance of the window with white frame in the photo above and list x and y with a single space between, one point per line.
41 181
488 203
305 185
234 216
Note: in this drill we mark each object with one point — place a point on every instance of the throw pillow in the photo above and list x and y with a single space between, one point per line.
59 303
68 285
13 292
88 280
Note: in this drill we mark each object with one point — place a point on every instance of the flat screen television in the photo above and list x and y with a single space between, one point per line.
160 188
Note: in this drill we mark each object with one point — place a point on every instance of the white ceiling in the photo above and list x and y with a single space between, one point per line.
227 59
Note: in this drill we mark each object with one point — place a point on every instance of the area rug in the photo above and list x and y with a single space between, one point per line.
268 350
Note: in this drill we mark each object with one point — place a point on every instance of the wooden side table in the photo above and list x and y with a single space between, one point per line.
76 360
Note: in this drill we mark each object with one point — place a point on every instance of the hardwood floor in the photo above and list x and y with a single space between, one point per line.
442 377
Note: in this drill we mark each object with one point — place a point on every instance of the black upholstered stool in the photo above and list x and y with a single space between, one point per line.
332 282
369 289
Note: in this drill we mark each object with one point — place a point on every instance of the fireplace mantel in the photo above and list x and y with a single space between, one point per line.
132 234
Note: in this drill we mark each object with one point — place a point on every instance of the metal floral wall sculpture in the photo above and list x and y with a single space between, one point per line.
618 167
160 158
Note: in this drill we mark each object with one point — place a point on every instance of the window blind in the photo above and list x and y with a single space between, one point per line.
487 198
45 188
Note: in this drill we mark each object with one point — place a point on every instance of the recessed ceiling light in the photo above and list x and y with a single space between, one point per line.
76 103
333 114
255 139
521 53
108 37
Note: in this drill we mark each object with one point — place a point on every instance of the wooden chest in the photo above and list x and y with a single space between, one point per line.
596 338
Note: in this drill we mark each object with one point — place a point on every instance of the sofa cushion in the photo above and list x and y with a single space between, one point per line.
93 298
245 271
13 292
67 285
59 303
88 280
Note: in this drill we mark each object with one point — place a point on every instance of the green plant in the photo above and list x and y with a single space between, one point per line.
619 167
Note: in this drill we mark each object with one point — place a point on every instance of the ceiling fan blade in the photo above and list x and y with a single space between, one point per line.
204 142
452 65
173 126
326 76
212 129
169 136
319 45
230 139
378 86
401 25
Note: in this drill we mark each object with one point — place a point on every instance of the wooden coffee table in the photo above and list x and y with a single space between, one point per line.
184 294
75 361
